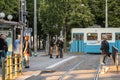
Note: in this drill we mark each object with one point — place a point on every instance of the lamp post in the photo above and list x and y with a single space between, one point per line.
23 11
106 15
35 26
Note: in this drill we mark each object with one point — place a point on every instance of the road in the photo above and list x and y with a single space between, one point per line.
71 67
82 68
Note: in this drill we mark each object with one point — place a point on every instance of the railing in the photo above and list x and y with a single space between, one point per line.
11 67
115 56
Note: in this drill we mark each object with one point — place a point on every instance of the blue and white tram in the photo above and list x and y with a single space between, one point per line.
88 40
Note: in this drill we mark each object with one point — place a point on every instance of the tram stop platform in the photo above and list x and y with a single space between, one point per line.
42 62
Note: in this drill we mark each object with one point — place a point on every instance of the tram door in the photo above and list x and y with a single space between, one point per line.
81 42
117 41
75 43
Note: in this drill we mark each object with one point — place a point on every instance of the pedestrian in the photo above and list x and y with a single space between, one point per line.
26 52
105 52
17 45
60 43
52 43
3 47
17 48
57 48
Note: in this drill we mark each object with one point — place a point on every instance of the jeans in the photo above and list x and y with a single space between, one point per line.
2 54
103 59
61 54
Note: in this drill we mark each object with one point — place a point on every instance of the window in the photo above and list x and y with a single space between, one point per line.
109 36
118 36
78 36
75 36
92 36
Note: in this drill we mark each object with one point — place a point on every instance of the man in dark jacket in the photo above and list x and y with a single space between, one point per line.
52 43
61 47
105 51
3 47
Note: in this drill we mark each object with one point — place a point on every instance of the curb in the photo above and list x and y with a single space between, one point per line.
28 74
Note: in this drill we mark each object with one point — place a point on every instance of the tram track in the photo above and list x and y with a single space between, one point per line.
97 73
84 67
96 77
67 72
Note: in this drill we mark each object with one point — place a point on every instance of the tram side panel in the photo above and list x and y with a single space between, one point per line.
117 41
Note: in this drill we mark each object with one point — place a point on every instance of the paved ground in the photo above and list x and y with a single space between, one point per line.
42 63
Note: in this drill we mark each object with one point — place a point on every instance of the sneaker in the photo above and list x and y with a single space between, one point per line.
106 69
102 72
26 66
102 64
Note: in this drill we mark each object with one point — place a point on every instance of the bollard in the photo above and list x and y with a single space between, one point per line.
11 75
7 67
16 64
20 64
3 68
116 61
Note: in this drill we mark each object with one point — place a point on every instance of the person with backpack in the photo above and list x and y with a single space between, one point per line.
105 51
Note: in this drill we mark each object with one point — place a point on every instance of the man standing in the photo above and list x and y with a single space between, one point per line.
3 47
105 52
57 48
61 47
52 43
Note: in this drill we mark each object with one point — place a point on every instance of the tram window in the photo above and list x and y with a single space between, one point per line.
81 36
117 37
92 36
109 36
75 36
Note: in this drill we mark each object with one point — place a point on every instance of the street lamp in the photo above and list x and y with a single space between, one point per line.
106 16
2 15
9 17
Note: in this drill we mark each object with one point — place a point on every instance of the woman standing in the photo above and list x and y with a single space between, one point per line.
26 51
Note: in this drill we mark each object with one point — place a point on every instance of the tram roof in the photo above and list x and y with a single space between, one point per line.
95 29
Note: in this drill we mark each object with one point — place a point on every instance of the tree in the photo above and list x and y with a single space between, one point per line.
10 7
49 16
98 9
114 13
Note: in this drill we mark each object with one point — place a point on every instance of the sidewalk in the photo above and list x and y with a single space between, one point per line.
42 62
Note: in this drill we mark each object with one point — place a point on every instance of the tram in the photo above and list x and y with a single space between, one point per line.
88 40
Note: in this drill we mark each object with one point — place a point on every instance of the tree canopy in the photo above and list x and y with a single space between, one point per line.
10 7
54 15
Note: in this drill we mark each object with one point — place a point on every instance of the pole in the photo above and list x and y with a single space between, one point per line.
24 12
35 27
106 16
21 10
